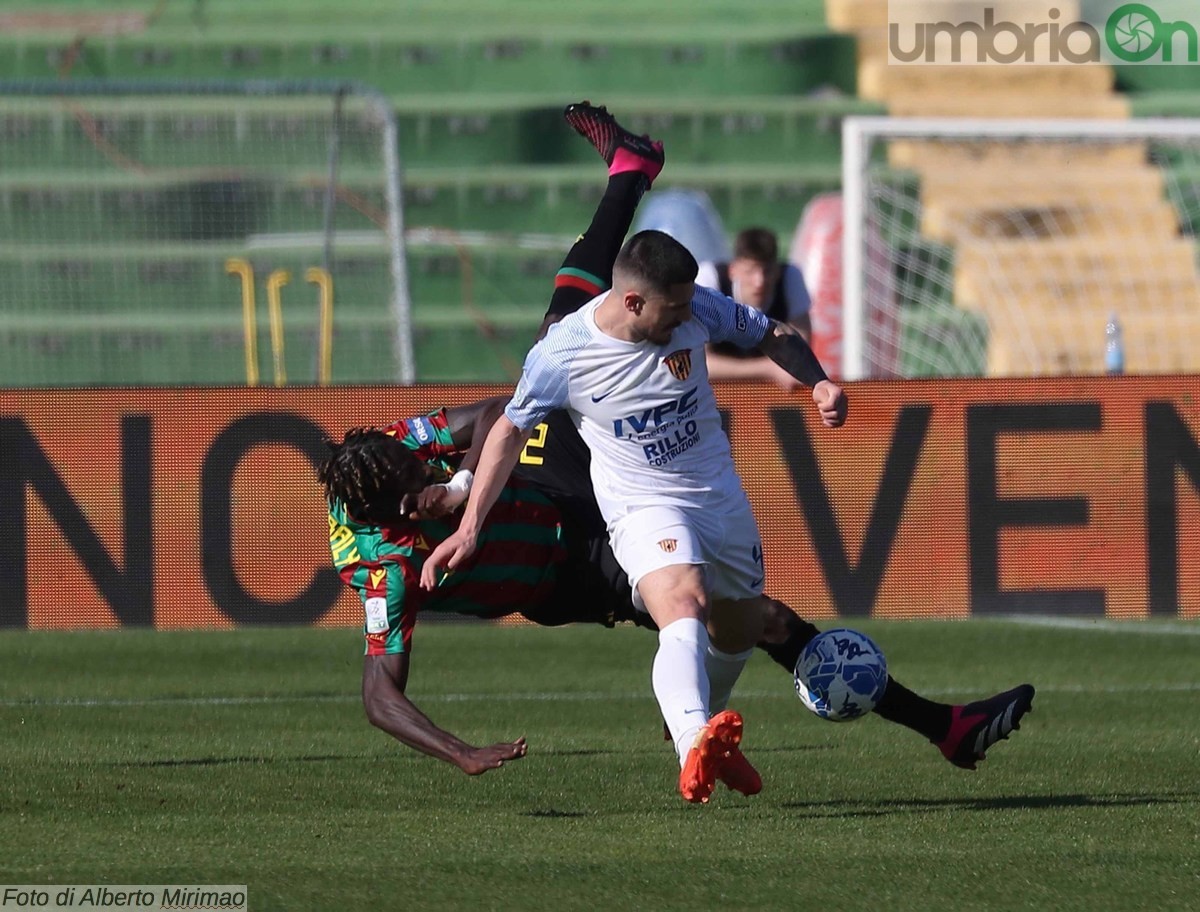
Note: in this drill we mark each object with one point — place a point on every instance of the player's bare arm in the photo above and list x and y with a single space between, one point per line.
784 345
469 426
501 450
383 683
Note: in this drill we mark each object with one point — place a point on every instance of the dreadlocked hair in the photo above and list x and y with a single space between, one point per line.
370 472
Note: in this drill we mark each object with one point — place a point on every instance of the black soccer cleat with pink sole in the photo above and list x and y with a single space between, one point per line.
977 726
609 138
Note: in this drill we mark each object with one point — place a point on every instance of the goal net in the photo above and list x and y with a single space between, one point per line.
182 233
1005 247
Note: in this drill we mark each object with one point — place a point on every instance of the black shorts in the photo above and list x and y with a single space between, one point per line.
592 587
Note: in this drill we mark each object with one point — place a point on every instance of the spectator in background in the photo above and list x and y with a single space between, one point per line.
757 278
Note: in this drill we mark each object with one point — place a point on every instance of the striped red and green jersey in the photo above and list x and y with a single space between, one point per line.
514 565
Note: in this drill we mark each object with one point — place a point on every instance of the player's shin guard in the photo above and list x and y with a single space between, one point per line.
723 671
680 681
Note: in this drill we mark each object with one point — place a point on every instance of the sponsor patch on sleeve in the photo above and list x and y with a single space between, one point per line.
741 318
422 429
377 615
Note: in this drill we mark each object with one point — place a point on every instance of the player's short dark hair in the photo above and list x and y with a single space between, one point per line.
758 244
370 472
657 260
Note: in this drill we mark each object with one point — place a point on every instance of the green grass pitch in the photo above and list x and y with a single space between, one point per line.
244 757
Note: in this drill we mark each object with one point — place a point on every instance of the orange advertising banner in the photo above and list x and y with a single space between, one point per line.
199 507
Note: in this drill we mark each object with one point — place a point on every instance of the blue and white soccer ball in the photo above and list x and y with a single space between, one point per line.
841 675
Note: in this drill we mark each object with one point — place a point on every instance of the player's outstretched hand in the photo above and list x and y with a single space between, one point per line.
481 759
449 554
831 403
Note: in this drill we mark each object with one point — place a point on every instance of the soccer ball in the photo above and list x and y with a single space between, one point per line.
841 675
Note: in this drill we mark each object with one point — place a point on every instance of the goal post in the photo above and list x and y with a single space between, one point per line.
1003 247
201 231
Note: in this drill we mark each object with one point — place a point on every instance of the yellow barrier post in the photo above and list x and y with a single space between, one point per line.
275 281
324 282
244 271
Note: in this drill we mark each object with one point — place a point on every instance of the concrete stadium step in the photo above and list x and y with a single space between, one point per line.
1027 188
1010 105
992 295
1056 343
471 19
171 132
780 59
184 352
856 15
998 273
175 279
547 199
953 222
989 156
212 351
879 81
472 281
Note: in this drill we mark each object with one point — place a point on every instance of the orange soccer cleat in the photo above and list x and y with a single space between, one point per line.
715 744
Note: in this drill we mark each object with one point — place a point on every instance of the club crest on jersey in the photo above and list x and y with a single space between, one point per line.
679 363
669 545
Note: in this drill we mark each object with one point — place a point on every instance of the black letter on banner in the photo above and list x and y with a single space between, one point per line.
988 513
854 591
216 521
129 592
1168 444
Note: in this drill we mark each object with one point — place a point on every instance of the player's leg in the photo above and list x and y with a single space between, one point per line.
735 626
633 163
675 599
733 554
733 551
660 554
962 732
674 596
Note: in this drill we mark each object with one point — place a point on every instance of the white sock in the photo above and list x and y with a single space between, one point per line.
723 671
680 681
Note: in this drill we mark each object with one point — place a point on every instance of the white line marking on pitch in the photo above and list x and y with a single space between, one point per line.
537 697
1163 628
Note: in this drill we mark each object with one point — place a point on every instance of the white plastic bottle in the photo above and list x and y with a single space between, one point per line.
1114 346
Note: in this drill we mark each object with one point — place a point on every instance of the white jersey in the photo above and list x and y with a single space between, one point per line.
646 411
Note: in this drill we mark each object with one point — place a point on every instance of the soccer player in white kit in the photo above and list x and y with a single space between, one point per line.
630 369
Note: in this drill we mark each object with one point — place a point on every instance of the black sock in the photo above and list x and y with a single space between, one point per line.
901 705
790 634
587 269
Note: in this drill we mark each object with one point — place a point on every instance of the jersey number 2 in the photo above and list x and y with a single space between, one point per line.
536 441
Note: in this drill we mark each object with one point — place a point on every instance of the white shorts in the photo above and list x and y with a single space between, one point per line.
724 541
